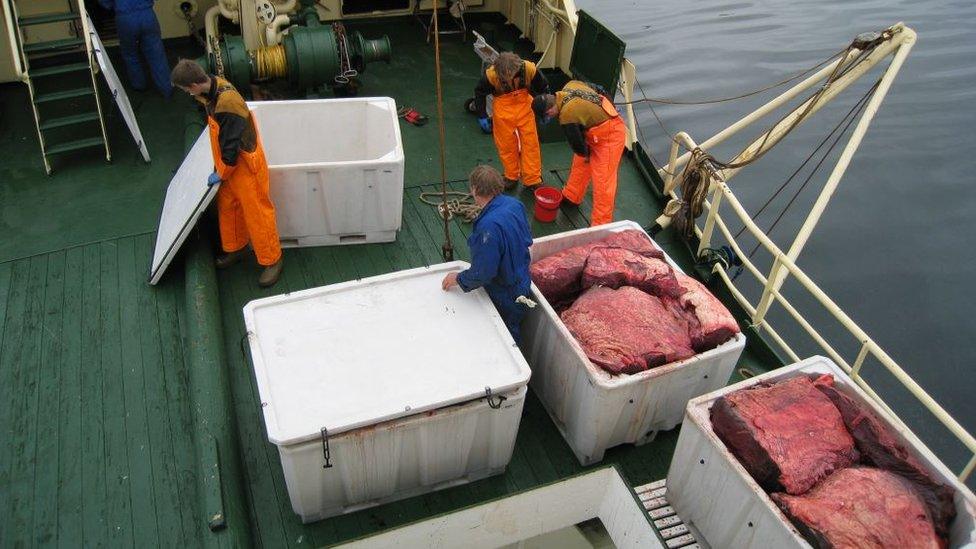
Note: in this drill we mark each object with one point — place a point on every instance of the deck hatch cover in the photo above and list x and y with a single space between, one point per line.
597 53
118 92
187 197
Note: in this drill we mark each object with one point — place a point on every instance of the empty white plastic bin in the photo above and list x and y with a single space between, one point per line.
715 496
593 409
336 168
384 388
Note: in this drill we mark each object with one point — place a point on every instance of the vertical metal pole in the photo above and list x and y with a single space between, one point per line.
447 250
706 237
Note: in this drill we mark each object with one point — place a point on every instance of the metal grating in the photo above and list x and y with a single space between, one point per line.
667 523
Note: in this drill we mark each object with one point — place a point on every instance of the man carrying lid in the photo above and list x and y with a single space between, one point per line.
243 201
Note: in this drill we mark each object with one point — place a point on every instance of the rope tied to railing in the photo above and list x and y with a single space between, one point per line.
695 180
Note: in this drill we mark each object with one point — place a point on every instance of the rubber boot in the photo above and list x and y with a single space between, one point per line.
228 259
510 183
270 274
529 190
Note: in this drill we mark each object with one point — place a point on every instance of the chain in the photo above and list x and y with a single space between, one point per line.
346 72
218 61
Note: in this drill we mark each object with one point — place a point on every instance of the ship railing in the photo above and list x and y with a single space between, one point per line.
784 262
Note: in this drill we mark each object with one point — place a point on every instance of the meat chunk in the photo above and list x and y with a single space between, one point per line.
879 447
710 324
861 507
787 435
616 267
626 331
558 275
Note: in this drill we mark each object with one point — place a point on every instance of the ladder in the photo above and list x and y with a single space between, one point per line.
60 77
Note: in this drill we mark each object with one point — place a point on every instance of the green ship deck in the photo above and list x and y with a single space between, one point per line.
95 396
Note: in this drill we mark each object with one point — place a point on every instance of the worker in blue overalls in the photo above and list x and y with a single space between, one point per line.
499 247
139 31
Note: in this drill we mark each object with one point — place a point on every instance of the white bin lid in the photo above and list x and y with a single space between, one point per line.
358 353
187 197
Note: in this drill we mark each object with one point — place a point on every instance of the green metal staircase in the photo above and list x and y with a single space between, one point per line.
60 76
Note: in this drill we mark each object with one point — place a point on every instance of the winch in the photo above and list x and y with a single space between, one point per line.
309 53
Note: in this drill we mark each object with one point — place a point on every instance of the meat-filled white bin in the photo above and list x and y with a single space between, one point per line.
593 409
384 388
336 169
713 494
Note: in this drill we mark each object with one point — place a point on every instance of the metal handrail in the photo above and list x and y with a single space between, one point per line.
784 265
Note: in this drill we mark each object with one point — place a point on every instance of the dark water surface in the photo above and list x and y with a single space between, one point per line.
895 248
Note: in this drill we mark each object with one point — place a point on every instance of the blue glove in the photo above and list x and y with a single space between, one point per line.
213 179
485 124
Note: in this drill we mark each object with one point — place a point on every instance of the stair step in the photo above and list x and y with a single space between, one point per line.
53 45
47 18
59 69
66 94
69 120
74 145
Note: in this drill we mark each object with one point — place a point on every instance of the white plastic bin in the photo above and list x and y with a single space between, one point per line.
336 168
390 377
712 492
594 410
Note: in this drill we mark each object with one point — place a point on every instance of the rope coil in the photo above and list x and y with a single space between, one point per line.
271 62
462 205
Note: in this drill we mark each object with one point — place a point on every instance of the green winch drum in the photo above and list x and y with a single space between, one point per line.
309 56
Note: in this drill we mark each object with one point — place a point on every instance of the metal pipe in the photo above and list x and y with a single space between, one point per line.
210 26
230 9
273 31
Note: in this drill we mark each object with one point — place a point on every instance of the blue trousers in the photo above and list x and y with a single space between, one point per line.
511 312
139 31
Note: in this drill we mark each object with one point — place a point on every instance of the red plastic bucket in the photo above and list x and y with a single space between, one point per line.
547 200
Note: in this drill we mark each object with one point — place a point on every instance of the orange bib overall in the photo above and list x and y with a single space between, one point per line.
606 143
516 136
243 202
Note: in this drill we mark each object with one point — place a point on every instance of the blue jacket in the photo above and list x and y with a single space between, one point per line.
126 6
499 247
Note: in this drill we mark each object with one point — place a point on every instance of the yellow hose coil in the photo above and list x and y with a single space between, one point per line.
272 62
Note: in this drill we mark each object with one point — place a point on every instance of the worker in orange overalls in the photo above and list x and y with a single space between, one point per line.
243 203
513 82
597 136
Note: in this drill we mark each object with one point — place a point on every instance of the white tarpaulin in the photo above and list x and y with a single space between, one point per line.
118 93
186 198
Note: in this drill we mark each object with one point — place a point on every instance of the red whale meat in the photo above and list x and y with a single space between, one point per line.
616 267
861 507
710 324
626 331
558 276
788 435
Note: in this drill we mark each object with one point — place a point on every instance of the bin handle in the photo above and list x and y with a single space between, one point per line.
496 404
326 453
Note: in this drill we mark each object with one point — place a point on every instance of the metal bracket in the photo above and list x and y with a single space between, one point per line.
496 404
325 448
